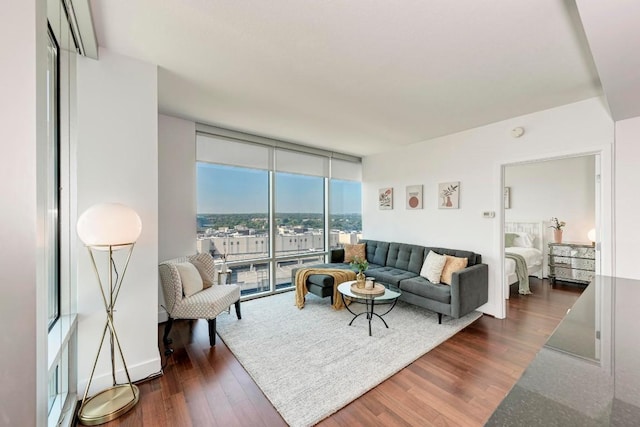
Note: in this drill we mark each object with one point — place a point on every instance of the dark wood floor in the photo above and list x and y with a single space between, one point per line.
459 383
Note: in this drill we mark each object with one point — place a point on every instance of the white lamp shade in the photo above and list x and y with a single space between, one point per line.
109 224
591 235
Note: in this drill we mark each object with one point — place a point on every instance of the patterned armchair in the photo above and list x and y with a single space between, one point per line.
204 304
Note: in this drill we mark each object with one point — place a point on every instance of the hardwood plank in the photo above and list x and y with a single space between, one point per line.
459 383
152 407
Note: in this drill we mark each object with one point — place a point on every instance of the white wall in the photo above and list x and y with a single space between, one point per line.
627 203
23 359
117 159
475 158
563 188
176 192
176 187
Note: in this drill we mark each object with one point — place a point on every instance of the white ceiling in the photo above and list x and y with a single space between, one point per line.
613 31
354 76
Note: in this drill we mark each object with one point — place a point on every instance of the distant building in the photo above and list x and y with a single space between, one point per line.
241 245
349 238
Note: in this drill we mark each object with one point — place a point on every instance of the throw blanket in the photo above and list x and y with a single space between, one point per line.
521 272
339 276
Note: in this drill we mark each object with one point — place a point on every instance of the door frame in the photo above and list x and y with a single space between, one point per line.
603 215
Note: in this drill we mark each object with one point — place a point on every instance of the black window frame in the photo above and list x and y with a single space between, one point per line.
54 187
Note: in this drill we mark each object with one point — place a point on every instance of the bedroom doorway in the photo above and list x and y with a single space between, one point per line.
535 192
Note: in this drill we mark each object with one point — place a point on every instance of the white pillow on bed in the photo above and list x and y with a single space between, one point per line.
524 240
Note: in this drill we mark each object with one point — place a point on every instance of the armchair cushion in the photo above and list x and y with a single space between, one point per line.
190 278
208 303
207 278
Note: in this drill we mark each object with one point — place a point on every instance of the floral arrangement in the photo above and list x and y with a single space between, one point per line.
360 264
557 224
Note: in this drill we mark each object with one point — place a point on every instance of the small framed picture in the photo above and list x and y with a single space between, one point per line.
385 198
414 197
507 197
449 195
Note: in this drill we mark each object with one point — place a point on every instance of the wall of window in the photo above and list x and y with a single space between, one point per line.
264 209
232 204
345 220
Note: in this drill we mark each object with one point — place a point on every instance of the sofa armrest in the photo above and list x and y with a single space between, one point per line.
336 256
469 289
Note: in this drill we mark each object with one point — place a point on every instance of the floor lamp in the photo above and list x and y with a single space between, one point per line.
107 228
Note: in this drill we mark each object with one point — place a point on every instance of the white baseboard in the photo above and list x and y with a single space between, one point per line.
137 373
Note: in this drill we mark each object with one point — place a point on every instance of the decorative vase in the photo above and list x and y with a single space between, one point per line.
360 279
557 236
448 203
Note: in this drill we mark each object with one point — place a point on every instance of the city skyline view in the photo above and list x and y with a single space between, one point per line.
234 190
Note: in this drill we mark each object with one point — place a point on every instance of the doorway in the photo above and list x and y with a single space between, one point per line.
568 188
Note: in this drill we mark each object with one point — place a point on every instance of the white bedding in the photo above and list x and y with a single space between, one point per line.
532 256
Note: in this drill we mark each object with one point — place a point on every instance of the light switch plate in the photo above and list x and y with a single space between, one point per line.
488 214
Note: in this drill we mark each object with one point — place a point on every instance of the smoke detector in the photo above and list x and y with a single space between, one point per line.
517 132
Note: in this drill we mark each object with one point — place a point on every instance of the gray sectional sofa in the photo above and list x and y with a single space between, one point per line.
399 264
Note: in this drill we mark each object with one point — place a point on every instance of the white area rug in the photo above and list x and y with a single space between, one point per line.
310 363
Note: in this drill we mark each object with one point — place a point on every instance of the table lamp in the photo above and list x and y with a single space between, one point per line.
107 228
591 235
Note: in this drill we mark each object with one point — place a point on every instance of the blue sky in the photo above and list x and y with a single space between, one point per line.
227 189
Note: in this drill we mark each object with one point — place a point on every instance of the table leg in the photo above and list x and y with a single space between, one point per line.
370 316
344 302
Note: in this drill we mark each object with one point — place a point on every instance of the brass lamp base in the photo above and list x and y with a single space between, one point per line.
109 404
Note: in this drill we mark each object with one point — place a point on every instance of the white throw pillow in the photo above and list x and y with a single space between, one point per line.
190 277
524 240
432 267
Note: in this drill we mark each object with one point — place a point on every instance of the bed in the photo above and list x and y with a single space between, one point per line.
527 240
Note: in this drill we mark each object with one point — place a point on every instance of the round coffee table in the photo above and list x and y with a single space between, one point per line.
390 296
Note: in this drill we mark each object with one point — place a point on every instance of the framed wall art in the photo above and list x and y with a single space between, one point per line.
385 198
414 197
449 195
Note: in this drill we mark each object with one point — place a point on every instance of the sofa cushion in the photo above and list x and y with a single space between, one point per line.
351 252
433 266
323 280
376 251
389 275
424 288
320 279
473 257
405 257
374 266
452 265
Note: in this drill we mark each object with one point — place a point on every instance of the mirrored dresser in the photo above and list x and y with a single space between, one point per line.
572 262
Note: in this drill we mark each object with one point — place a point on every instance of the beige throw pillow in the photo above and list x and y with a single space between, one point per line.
353 251
432 267
191 280
207 278
452 265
